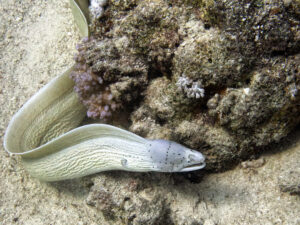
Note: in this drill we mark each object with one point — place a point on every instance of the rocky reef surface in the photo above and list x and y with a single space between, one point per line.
221 77
38 39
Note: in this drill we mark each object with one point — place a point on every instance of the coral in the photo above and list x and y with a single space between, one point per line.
218 76
96 8
114 80
93 92
190 88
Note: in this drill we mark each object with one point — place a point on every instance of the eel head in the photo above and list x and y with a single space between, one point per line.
169 156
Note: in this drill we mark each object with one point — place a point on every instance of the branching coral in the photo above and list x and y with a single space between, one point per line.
104 80
190 88
95 95
96 8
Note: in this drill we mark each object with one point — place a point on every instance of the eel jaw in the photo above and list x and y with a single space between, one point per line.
196 166
195 161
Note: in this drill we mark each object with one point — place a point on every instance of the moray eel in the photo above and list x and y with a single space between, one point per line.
45 133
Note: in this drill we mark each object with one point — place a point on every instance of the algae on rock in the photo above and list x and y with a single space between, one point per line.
242 57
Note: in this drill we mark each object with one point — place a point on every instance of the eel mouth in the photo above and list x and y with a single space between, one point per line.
196 166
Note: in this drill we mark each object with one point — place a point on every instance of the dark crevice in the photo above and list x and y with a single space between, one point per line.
207 26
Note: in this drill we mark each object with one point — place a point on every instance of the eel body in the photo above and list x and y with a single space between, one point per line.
45 133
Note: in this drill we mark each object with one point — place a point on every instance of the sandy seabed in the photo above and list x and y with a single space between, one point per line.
37 42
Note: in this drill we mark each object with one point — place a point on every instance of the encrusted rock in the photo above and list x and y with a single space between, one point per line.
127 199
221 77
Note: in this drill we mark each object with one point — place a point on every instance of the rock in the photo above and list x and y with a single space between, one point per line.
289 182
221 77
128 200
253 163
